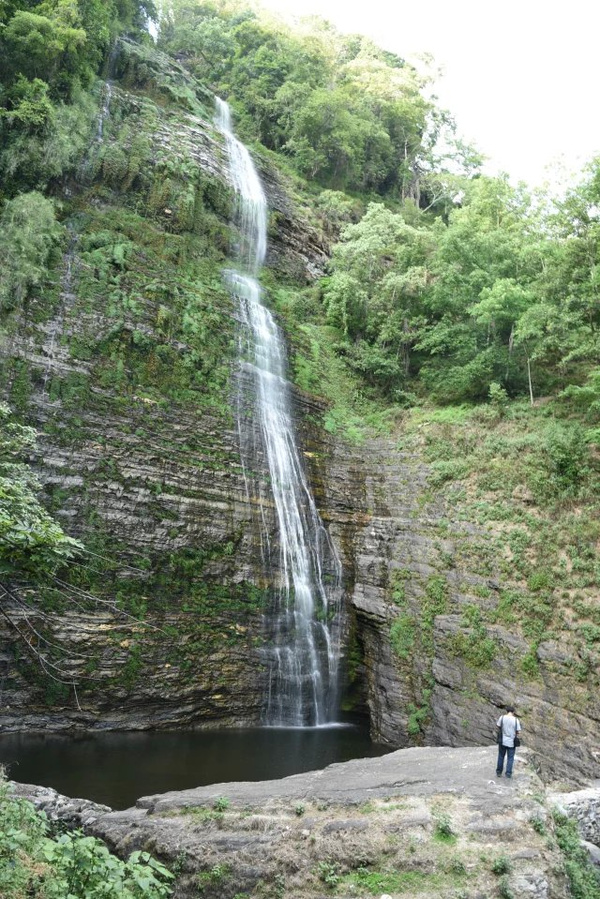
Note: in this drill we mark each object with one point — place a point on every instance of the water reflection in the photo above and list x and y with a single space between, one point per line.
118 768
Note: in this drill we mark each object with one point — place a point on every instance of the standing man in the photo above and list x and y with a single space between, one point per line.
509 730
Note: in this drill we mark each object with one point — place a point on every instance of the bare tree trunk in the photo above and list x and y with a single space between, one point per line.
529 379
406 348
510 349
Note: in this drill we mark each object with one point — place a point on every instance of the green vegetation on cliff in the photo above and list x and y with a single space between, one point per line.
343 112
113 309
30 540
451 282
50 54
530 481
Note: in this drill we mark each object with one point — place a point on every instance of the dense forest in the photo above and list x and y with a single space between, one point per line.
443 281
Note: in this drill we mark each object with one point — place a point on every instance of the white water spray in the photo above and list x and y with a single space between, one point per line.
305 628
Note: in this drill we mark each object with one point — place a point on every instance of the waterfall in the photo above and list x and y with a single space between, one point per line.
304 628
55 325
105 111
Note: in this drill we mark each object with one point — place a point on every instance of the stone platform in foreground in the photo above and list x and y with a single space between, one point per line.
420 822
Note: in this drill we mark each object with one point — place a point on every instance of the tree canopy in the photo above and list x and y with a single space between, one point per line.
346 113
494 292
50 50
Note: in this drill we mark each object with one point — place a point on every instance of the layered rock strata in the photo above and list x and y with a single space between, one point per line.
153 485
431 677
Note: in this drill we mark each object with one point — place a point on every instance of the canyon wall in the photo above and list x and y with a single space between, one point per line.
138 456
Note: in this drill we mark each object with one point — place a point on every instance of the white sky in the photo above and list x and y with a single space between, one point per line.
522 79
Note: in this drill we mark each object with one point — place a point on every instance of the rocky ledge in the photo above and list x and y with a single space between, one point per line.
428 822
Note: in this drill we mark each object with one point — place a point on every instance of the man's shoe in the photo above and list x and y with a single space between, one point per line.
498 773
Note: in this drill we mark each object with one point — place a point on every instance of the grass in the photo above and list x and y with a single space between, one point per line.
214 877
375 883
403 636
531 480
201 814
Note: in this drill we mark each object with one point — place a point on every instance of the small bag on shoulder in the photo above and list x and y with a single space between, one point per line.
517 741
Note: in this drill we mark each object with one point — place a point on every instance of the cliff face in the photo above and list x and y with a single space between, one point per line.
427 589
126 370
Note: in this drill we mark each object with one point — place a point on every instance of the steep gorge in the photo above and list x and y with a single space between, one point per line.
125 369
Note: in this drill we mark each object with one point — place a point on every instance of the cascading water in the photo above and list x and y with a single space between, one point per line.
306 624
105 111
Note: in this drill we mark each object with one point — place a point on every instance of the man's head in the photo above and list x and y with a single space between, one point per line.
510 709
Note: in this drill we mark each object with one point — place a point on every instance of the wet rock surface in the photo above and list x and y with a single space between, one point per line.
73 813
433 820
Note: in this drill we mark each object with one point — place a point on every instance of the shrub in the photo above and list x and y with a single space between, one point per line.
476 648
402 636
328 872
587 397
418 715
529 663
567 454
85 868
501 865
498 397
457 866
448 470
538 824
73 865
443 829
584 881
215 876
29 233
504 890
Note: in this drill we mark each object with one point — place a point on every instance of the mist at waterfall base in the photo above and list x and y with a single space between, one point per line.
116 768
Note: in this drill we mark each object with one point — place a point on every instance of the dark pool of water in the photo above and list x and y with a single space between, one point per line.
118 768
